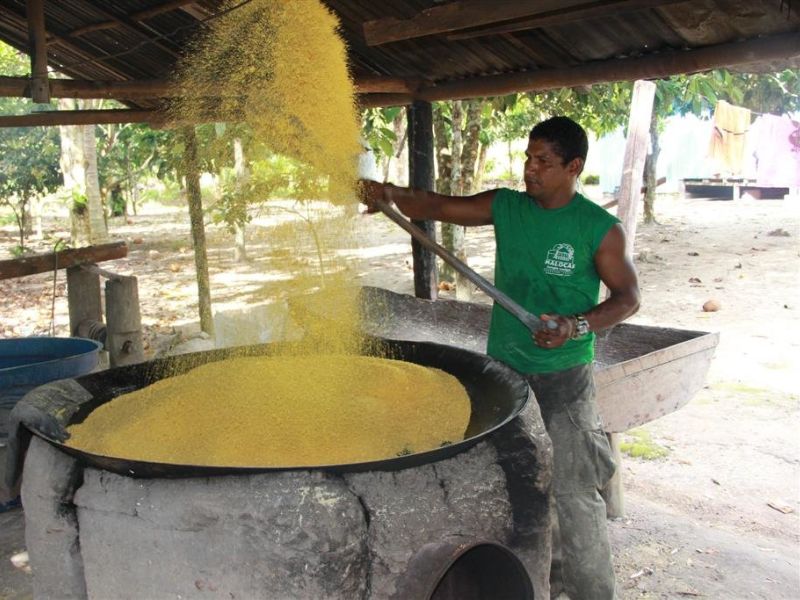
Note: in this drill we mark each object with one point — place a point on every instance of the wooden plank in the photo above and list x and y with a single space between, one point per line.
630 394
379 100
655 66
455 16
42 263
19 87
37 49
580 13
635 154
384 85
82 117
421 176
155 89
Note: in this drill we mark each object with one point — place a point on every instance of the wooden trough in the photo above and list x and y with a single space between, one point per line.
641 372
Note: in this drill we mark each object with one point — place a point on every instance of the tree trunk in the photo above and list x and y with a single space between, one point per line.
37 208
27 218
650 172
19 215
453 235
133 187
74 172
98 231
240 242
191 171
510 161
468 157
469 154
400 128
481 168
444 160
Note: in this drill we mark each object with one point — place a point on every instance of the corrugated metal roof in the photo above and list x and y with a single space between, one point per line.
149 47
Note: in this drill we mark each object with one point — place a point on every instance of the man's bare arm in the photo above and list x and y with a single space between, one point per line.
619 275
422 205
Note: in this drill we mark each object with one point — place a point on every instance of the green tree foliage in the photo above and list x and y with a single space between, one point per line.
28 155
377 130
127 155
28 169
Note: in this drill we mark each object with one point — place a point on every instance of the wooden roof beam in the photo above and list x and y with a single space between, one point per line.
656 66
139 16
461 15
153 89
18 87
37 49
83 117
125 22
582 13
68 44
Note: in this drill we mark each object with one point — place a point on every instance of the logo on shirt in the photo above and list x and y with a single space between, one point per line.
560 260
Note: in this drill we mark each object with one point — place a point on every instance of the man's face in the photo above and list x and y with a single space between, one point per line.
546 174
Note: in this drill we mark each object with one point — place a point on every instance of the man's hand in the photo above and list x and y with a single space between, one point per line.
554 338
369 192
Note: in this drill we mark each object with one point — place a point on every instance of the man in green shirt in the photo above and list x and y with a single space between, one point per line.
554 247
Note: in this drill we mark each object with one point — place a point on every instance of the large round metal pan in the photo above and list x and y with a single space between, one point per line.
497 394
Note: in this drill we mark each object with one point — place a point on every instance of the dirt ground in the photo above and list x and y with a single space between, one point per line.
717 517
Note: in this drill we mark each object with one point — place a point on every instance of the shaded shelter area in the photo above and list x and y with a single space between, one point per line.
402 52
407 50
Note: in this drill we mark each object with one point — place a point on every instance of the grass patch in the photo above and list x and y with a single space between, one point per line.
639 443
739 388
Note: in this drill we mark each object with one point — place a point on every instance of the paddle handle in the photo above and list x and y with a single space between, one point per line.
531 321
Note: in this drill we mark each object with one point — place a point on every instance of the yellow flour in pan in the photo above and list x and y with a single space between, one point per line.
281 411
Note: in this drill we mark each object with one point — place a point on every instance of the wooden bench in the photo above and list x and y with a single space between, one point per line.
122 331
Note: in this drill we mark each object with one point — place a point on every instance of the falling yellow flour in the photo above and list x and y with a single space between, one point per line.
280 67
281 411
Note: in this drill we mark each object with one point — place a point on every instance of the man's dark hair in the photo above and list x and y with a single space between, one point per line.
566 136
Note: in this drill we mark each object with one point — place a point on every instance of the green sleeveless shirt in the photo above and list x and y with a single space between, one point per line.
544 261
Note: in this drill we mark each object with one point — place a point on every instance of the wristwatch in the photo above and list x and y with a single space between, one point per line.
581 327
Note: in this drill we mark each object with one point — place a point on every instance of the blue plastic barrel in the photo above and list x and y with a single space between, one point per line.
26 363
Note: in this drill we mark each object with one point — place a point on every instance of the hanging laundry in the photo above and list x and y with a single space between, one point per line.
728 137
774 145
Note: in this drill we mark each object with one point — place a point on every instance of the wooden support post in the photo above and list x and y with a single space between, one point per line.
629 195
191 171
37 44
635 155
124 328
83 297
421 176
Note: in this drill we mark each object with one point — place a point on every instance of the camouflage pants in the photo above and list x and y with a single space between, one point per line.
582 465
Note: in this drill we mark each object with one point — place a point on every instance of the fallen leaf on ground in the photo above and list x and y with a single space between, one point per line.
779 232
